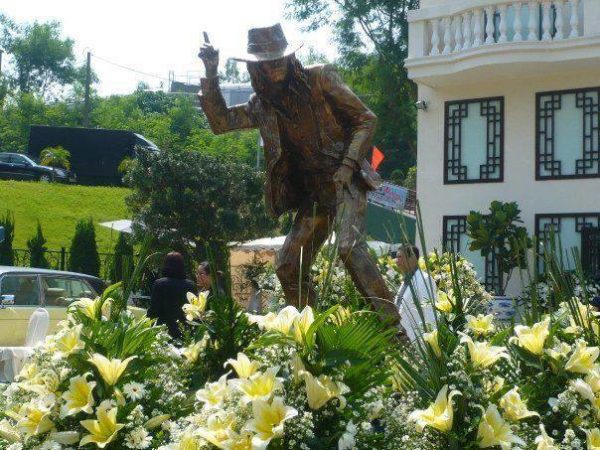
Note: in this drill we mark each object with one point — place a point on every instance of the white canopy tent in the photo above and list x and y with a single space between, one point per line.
122 226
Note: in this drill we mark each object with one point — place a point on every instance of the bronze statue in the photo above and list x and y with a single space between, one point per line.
316 135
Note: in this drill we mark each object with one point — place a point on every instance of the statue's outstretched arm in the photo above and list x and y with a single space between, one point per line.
352 112
222 118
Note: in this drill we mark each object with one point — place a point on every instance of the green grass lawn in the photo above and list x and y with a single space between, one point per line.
58 207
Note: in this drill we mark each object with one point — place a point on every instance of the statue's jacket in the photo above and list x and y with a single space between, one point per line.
345 127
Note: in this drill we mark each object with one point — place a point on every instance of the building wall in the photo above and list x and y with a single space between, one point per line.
520 185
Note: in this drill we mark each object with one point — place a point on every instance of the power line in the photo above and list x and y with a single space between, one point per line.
131 69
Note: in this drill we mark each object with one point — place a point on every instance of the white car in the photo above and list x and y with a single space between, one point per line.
23 290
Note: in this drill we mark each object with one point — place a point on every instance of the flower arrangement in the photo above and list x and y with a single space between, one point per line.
95 384
309 381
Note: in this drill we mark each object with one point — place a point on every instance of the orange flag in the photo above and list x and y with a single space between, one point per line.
377 158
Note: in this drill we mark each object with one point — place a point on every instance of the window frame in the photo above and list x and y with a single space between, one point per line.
39 304
501 152
489 280
551 216
62 277
538 175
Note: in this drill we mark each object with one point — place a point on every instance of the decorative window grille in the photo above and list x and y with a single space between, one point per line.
474 141
455 240
570 236
568 134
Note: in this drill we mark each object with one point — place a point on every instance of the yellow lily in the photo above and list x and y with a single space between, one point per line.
481 325
213 394
439 415
302 323
242 441
583 358
514 407
35 418
494 431
260 386
70 340
264 322
268 418
110 369
593 439
322 389
533 338
196 305
217 428
192 352
432 340
8 432
545 442
445 301
79 397
243 366
593 379
102 431
156 421
483 354
284 321
297 368
559 350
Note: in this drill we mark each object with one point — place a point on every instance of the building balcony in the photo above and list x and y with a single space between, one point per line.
460 41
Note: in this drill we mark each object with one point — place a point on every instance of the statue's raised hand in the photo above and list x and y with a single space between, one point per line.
209 56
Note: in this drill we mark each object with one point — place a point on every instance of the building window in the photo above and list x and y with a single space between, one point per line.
455 240
474 141
568 134
571 235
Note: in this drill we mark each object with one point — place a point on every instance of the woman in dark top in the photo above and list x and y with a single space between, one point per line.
169 294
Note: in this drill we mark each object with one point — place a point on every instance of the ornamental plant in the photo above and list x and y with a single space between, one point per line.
37 250
497 235
58 157
95 384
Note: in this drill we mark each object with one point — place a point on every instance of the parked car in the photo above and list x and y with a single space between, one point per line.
15 166
22 290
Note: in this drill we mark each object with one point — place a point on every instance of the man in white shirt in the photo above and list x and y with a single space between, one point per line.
416 294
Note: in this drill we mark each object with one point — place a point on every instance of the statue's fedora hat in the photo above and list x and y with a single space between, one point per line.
267 44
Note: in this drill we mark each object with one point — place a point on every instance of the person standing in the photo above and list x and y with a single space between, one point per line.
416 295
169 294
206 280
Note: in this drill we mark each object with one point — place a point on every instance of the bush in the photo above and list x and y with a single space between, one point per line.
192 201
7 254
122 259
37 250
84 252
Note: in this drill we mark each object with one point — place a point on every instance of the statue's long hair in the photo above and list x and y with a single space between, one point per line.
291 95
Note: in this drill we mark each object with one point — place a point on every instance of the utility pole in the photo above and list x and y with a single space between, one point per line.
88 81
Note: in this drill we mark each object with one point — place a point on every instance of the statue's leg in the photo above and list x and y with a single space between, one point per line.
354 253
309 231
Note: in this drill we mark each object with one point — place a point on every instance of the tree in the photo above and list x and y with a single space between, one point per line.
37 250
372 37
43 60
7 254
122 258
56 157
84 256
192 201
233 74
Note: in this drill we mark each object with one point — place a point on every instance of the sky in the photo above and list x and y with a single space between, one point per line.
158 37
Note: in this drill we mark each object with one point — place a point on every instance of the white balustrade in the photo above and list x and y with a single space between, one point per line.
466 31
477 28
505 22
574 18
435 37
518 36
490 26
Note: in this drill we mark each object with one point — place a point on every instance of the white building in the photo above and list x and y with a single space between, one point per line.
512 90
